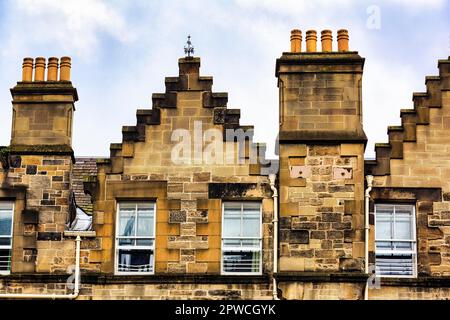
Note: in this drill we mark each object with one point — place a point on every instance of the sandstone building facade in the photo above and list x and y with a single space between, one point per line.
188 207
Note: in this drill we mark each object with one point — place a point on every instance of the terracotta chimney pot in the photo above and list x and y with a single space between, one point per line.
327 41
52 69
311 41
39 69
296 40
27 70
342 40
64 69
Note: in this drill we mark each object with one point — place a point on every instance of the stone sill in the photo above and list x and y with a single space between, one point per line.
82 234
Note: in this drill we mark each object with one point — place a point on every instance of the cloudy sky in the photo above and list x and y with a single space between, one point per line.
122 50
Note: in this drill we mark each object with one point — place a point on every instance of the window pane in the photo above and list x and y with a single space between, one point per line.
383 227
395 258
5 241
5 222
6 205
135 260
145 242
145 222
394 265
403 245
250 243
127 221
127 242
236 206
127 206
241 220
241 261
232 220
232 242
136 237
403 226
384 220
251 206
405 209
5 259
384 245
251 220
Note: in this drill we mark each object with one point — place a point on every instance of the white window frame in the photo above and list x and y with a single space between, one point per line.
414 241
117 247
223 272
10 247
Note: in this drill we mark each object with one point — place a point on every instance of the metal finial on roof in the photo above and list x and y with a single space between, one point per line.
188 48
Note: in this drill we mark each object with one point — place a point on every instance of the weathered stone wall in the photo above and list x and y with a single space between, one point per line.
321 211
417 156
189 213
147 291
321 162
321 290
409 293
320 96
321 188
43 220
42 113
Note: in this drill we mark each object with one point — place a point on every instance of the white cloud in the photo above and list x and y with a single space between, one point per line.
238 41
294 7
423 4
74 25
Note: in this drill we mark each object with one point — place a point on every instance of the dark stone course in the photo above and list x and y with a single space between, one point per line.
348 264
294 236
304 225
236 190
177 216
15 161
49 236
303 253
285 223
30 216
225 293
331 217
347 188
335 234
48 202
317 234
53 162
31 169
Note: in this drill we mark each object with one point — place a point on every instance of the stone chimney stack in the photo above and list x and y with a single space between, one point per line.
321 91
41 143
43 108
321 149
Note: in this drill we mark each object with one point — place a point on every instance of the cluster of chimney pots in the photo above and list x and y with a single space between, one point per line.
38 64
326 39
